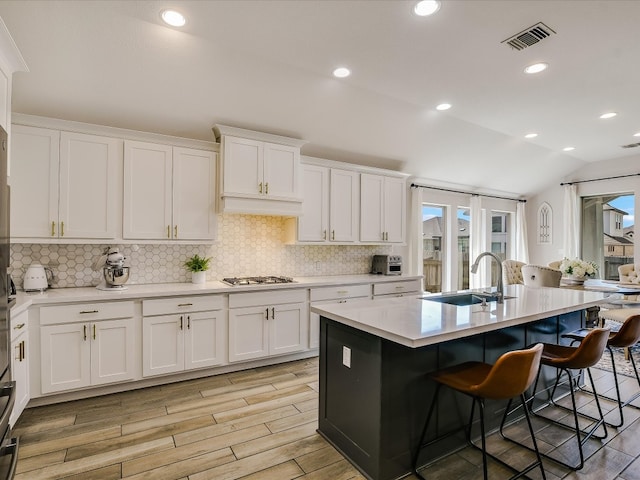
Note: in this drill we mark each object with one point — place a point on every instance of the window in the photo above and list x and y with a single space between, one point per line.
433 232
464 228
607 232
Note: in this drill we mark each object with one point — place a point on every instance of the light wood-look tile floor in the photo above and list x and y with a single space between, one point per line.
255 424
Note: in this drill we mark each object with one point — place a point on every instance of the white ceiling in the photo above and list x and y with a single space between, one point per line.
266 65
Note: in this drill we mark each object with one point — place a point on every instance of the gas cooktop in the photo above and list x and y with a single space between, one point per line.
257 280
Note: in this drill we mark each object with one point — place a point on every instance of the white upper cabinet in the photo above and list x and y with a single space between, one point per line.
169 192
382 208
64 185
330 209
260 173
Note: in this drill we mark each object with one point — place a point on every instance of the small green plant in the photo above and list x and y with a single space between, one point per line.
197 263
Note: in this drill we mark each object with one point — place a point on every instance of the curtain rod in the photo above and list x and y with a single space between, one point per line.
599 179
415 185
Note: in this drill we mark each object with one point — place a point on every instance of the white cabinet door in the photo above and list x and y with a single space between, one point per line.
395 194
112 351
288 328
313 224
65 357
371 208
204 339
243 166
20 374
147 191
88 186
281 171
34 182
343 212
194 174
162 344
248 333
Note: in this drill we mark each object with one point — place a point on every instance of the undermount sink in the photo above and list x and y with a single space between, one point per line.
464 299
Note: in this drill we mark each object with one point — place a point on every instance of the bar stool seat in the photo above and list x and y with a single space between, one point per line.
508 378
565 359
627 336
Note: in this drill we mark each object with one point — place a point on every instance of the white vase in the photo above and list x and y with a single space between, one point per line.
574 280
198 277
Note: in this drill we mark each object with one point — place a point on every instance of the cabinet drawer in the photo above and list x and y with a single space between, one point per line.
405 286
19 324
343 291
197 303
82 312
258 299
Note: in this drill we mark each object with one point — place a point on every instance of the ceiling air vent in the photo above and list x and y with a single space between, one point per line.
529 36
631 145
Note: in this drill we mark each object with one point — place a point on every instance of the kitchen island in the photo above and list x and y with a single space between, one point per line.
374 357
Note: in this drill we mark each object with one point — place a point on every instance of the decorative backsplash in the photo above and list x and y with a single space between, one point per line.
247 245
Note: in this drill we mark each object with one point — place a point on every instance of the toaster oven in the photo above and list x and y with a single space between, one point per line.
387 264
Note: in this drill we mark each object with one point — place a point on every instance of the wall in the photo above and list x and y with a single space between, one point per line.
543 254
247 245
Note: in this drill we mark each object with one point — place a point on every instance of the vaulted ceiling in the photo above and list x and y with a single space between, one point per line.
266 65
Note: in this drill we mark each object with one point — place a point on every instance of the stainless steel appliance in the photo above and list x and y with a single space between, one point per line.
114 273
387 264
8 445
256 280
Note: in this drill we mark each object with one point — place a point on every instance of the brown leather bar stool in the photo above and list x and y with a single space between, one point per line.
565 359
508 378
627 336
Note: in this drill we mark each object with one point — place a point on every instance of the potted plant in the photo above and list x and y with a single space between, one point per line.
198 266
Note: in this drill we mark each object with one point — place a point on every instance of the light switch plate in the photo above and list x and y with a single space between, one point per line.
346 356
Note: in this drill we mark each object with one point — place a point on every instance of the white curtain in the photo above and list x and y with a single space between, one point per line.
477 243
522 242
571 223
415 263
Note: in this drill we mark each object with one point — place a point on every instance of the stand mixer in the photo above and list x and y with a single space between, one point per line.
114 273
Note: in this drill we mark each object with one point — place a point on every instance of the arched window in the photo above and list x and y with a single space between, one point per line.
545 221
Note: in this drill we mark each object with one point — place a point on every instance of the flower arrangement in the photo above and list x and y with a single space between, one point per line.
578 268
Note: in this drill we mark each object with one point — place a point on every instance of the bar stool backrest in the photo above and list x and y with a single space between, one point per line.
511 375
629 333
589 352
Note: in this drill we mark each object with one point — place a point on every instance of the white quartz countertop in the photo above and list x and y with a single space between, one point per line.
415 322
137 291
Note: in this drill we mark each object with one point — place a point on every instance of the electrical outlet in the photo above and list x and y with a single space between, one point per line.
346 356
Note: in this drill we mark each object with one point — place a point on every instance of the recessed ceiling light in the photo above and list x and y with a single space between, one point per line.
531 135
173 18
636 134
608 115
426 7
443 106
341 72
568 149
536 68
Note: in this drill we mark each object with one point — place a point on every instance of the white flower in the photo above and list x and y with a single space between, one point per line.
578 268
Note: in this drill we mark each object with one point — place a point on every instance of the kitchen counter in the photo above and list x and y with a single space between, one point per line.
375 357
134 291
414 322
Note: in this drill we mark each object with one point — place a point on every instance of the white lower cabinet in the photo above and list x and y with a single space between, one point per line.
20 363
333 294
183 333
84 345
399 288
262 324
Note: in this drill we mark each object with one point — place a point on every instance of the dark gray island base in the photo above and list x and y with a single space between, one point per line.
373 410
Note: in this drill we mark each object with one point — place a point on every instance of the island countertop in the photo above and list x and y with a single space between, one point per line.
416 322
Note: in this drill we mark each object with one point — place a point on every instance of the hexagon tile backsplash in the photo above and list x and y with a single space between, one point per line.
247 245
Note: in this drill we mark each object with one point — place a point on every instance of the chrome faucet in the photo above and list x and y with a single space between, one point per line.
500 287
